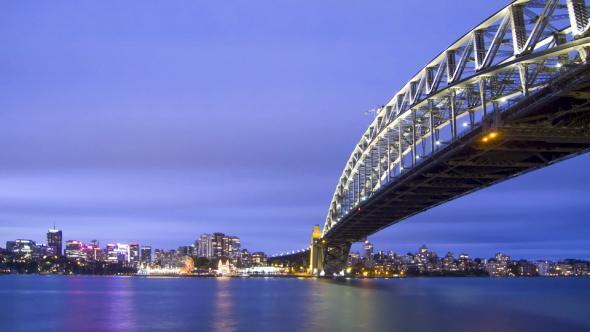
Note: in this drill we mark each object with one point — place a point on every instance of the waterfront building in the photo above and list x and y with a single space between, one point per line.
75 250
543 268
498 266
224 267
22 247
259 258
117 253
93 251
449 263
54 241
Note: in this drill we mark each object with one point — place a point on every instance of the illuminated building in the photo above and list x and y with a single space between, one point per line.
186 250
159 255
93 251
543 268
368 249
233 245
205 246
75 250
134 254
22 248
54 241
217 245
224 267
117 253
259 258
146 254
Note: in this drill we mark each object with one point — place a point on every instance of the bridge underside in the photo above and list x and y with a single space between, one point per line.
549 126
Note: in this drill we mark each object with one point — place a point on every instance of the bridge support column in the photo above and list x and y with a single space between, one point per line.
326 259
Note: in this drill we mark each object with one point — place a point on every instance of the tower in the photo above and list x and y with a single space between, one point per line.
316 251
54 241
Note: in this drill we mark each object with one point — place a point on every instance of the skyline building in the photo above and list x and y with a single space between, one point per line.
146 254
205 246
75 250
217 245
368 251
55 241
133 254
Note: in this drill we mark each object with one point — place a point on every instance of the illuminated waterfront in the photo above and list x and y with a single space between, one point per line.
459 304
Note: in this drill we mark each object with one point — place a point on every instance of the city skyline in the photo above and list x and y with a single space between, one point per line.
155 138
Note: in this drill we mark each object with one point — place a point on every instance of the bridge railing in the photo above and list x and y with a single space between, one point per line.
509 56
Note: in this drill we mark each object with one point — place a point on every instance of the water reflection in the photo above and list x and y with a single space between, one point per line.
223 319
35 303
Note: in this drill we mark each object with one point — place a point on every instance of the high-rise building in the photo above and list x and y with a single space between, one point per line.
134 254
218 245
205 246
24 247
233 247
146 254
118 253
368 248
75 250
54 241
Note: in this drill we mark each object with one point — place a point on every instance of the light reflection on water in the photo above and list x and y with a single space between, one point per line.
47 303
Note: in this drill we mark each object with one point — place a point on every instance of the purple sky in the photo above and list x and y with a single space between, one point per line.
155 121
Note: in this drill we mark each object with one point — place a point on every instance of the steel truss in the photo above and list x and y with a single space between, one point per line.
479 84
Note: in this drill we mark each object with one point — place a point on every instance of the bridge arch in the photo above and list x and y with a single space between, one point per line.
509 96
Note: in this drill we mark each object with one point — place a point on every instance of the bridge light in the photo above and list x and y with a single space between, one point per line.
558 65
485 139
503 99
493 134
465 124
437 142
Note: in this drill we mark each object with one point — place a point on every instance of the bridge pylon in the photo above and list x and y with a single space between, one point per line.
316 252
326 259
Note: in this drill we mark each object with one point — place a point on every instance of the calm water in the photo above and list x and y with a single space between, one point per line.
50 303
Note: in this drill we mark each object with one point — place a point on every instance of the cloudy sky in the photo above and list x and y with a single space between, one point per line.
155 121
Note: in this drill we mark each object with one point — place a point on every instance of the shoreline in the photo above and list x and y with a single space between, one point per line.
164 276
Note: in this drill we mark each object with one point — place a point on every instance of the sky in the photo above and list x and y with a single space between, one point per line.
156 121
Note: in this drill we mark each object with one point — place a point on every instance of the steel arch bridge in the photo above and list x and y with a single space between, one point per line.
509 96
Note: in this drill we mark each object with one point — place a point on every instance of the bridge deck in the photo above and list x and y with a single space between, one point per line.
546 127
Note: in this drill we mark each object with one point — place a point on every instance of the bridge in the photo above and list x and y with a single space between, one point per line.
510 96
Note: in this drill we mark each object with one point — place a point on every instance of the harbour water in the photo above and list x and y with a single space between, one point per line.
79 303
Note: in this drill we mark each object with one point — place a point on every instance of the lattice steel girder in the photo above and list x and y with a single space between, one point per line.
516 52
